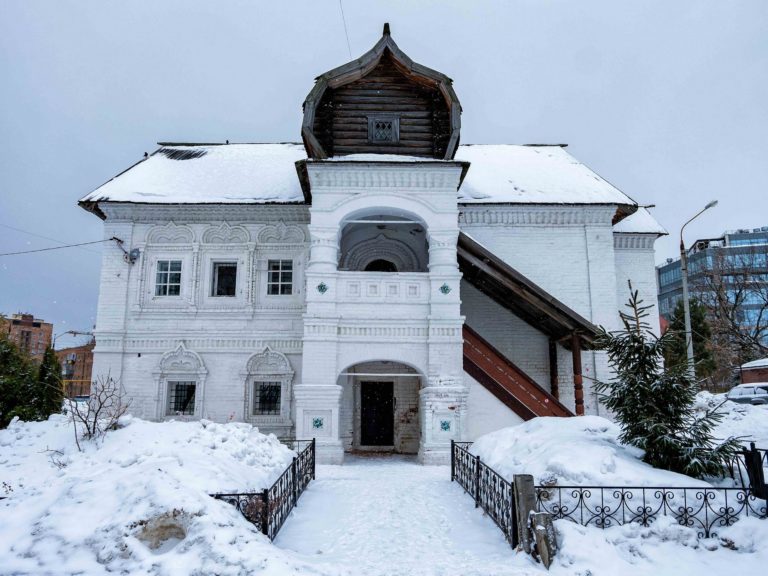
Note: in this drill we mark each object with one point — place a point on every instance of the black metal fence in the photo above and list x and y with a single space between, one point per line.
704 509
268 509
490 491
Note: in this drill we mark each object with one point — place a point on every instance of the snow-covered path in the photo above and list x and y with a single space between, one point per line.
392 516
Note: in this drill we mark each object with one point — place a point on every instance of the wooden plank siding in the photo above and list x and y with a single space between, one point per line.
341 118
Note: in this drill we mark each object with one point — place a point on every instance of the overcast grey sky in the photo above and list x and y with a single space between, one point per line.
667 100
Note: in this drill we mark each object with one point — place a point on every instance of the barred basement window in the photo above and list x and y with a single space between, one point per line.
266 398
168 278
383 129
280 277
181 398
224 279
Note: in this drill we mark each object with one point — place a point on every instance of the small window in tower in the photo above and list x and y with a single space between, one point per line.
383 129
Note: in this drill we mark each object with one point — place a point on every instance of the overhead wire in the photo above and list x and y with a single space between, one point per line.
346 33
55 247
41 236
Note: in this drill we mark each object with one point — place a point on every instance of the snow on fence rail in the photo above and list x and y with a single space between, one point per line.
704 509
268 509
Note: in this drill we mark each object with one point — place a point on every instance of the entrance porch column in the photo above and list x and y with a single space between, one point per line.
443 409
317 416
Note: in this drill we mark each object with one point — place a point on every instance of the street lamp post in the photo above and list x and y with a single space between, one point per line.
686 304
71 333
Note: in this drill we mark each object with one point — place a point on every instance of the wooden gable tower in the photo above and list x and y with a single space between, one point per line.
382 103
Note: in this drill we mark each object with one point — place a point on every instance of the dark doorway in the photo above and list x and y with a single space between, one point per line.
377 414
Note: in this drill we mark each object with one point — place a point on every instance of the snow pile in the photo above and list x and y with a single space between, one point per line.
583 451
137 502
663 548
742 420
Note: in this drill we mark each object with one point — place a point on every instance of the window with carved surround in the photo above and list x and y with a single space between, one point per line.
268 379
180 379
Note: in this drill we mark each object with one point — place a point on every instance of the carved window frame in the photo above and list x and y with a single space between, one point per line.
148 298
180 365
268 366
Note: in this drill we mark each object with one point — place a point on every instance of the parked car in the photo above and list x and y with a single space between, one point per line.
754 393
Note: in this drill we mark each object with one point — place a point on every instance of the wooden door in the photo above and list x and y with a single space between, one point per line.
377 414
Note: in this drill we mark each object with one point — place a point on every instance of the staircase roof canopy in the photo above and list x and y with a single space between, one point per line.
498 280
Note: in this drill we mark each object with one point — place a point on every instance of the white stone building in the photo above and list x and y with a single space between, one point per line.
379 287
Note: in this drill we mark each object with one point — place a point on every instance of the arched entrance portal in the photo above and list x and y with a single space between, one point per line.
380 407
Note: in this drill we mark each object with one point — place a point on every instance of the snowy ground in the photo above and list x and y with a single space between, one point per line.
97 511
375 516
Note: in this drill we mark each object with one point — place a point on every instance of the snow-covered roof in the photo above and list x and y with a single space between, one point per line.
508 173
641 222
209 174
266 173
761 363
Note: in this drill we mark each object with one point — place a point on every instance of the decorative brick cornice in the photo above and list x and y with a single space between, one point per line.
207 213
634 241
244 344
374 175
535 215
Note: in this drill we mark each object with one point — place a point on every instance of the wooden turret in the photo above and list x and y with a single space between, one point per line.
382 103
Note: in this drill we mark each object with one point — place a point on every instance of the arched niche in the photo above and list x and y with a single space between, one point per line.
379 237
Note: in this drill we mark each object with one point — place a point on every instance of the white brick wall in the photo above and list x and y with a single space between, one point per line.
569 251
516 339
635 262
485 413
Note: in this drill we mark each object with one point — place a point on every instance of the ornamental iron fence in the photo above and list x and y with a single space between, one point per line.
489 489
703 508
268 509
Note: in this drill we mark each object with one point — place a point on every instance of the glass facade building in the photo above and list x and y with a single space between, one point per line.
735 265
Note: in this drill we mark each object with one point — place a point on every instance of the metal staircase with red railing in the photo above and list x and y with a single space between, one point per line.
506 381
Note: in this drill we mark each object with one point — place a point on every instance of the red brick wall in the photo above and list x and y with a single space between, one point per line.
754 375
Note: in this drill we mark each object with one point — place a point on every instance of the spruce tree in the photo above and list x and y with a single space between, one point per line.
17 379
654 404
49 391
677 348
